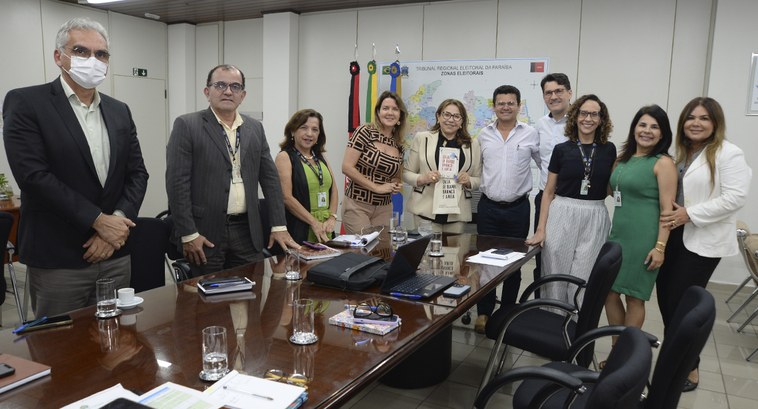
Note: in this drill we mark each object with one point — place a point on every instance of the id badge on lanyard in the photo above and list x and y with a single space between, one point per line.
322 200
584 190
236 172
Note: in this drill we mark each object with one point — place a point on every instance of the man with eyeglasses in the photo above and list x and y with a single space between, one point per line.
556 91
508 147
215 160
75 155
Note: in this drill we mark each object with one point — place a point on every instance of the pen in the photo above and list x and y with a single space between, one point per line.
29 324
248 393
229 284
315 246
408 296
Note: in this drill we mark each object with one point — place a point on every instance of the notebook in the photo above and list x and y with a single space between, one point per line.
402 279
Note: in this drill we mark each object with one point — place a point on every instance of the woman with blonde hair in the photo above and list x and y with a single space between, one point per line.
373 161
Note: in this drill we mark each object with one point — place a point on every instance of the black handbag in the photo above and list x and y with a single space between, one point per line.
348 271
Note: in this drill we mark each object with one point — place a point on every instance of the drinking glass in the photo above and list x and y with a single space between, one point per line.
303 329
435 249
424 227
292 266
215 358
105 291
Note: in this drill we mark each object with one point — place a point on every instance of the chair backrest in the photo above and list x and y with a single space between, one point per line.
750 253
682 343
266 225
624 377
148 242
6 224
599 283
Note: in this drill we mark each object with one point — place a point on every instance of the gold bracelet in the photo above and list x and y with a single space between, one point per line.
658 250
661 243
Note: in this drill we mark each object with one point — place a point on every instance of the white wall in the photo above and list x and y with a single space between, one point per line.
629 53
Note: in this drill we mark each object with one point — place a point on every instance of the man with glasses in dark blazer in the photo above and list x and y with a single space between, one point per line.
216 158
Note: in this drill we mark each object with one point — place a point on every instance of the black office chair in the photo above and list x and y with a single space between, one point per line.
148 242
6 224
527 325
175 261
682 343
276 250
618 386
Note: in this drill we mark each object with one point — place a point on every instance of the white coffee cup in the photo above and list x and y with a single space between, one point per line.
126 295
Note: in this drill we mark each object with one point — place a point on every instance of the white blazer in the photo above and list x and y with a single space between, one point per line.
420 160
713 212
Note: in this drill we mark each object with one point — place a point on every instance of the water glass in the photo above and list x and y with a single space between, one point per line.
105 291
215 358
303 329
435 249
292 266
424 227
397 232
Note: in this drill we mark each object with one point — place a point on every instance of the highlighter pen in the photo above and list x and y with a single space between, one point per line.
408 296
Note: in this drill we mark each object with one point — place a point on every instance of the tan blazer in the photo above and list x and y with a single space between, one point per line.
420 160
714 212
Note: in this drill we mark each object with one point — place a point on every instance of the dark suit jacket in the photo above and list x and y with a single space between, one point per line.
51 162
199 171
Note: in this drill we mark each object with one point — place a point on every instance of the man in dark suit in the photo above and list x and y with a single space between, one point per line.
215 160
75 155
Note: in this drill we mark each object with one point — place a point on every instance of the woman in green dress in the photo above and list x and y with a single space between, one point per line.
310 194
643 184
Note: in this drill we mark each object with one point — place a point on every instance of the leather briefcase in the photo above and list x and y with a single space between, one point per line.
348 271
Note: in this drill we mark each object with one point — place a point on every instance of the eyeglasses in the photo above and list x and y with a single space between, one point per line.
509 104
557 92
368 311
280 376
221 86
84 52
591 115
448 116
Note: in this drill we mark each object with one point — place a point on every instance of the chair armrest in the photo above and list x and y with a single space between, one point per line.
531 288
536 372
594 334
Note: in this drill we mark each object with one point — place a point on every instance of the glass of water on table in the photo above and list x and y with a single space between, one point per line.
215 358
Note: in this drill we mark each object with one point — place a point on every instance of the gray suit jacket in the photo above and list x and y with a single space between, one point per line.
199 171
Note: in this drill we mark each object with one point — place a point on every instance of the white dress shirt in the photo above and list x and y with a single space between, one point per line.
506 175
551 133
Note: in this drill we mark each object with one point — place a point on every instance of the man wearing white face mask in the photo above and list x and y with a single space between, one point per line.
75 155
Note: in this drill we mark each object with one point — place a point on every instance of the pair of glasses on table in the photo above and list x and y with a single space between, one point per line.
373 311
280 376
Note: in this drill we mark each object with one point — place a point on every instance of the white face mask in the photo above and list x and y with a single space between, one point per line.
87 72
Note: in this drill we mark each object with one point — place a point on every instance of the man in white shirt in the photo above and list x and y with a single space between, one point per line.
556 90
508 146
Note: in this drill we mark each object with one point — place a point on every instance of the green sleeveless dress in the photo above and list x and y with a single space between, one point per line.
635 224
320 213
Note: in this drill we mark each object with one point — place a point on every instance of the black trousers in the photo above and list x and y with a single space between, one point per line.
538 258
493 219
681 269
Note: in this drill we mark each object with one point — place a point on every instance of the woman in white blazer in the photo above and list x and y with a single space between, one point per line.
421 167
714 179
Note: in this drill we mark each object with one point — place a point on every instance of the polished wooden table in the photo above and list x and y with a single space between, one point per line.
159 340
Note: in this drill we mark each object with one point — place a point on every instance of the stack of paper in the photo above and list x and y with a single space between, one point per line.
354 240
492 258
26 371
237 390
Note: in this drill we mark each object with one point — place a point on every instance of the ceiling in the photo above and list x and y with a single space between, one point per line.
205 11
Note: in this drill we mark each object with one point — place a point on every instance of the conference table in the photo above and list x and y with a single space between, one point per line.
159 340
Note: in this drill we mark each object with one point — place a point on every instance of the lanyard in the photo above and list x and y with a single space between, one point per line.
320 173
233 153
587 160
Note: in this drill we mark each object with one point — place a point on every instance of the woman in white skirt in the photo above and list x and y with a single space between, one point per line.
574 222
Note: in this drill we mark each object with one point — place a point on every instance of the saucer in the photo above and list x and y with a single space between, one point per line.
137 301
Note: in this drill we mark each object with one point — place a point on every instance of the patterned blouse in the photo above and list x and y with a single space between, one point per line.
376 165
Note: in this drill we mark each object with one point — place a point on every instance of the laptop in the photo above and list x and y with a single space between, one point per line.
402 279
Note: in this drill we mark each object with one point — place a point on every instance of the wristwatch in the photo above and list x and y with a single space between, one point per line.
334 215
